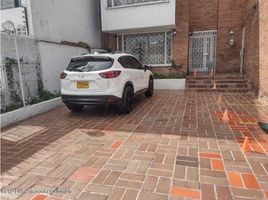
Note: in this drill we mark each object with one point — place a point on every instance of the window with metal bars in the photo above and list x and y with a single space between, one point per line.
116 3
149 48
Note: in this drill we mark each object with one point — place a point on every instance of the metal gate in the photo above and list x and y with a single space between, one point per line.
202 51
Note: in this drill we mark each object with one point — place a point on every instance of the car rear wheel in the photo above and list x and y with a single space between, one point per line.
75 107
126 105
150 90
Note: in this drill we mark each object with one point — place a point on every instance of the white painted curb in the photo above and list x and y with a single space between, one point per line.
29 111
169 84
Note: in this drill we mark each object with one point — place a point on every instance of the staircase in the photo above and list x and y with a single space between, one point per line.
217 83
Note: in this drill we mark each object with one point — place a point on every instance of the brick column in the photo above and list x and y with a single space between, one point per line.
180 41
263 28
231 18
252 50
108 41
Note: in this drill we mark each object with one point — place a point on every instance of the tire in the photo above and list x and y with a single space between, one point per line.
150 90
74 107
126 105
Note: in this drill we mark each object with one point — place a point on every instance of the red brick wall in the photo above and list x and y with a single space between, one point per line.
231 18
256 49
108 41
203 15
251 62
181 38
263 25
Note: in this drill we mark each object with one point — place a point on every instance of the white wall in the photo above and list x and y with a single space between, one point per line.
16 15
30 68
72 20
54 59
27 48
29 111
153 16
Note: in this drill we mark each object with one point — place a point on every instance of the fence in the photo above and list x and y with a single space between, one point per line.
11 97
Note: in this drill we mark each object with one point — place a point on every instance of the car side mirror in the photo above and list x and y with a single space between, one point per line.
146 67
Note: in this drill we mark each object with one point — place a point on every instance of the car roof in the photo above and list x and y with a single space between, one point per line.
110 55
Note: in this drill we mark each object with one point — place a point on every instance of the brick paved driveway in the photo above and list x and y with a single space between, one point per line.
172 146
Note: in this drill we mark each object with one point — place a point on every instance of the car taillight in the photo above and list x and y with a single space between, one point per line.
110 74
63 75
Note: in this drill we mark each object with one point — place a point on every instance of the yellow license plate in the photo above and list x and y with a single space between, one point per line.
82 84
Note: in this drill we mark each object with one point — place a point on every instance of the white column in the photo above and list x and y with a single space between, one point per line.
20 76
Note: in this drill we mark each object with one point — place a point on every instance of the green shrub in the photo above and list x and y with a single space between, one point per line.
169 76
43 95
11 107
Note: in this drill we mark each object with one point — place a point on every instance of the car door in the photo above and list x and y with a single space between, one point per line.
143 77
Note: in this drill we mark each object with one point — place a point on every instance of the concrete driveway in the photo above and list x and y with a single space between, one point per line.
172 146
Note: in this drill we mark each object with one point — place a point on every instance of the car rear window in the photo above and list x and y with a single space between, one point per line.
89 64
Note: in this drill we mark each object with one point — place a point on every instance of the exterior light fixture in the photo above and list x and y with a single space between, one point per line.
231 42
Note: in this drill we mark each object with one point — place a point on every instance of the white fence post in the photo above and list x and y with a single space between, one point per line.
20 76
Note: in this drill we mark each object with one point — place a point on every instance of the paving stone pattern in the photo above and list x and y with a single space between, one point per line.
174 146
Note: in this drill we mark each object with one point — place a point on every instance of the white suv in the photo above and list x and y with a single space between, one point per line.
107 78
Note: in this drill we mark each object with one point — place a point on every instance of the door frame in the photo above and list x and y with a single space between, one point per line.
203 34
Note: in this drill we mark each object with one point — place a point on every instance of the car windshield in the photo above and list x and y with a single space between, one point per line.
88 64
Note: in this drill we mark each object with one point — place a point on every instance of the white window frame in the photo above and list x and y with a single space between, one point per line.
135 4
153 65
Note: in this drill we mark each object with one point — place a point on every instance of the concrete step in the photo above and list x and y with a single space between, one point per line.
216 76
218 85
231 90
224 83
206 81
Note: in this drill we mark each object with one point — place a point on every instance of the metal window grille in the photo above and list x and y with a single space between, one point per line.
149 48
115 3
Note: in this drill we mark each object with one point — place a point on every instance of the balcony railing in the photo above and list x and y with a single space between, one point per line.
120 3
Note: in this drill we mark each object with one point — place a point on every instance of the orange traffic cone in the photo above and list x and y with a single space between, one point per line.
220 99
195 73
214 86
225 115
246 145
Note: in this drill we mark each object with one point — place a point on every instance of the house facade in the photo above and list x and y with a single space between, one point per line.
194 34
190 35
219 36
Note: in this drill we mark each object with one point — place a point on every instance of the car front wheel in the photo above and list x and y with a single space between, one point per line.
126 105
74 107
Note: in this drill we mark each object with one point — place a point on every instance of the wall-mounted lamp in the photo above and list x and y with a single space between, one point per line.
231 42
174 32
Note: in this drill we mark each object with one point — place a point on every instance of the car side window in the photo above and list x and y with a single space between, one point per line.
137 64
123 61
128 62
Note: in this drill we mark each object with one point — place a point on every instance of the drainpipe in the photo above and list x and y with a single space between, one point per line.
242 51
